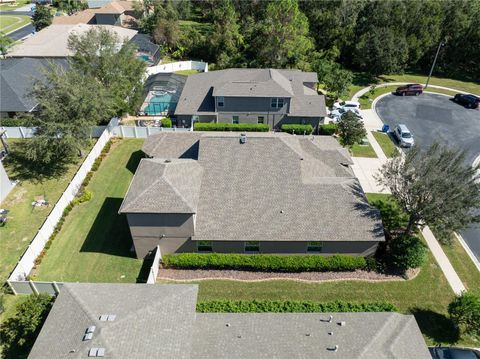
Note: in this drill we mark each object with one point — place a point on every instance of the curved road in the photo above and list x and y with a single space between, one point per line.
431 118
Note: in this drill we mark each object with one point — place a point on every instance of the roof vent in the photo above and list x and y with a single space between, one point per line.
243 138
168 161
307 334
281 211
227 325
329 320
333 349
342 323
87 336
330 333
345 164
107 317
90 329
96 352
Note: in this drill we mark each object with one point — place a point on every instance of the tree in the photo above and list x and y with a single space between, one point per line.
351 129
226 39
465 312
407 252
19 332
434 187
282 38
332 75
42 17
70 103
96 54
5 42
167 33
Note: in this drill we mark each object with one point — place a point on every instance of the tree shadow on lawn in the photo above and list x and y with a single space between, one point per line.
110 233
436 326
134 160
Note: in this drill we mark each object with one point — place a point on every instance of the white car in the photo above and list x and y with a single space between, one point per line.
346 105
338 113
403 136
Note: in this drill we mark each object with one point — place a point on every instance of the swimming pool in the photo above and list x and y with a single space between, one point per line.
159 105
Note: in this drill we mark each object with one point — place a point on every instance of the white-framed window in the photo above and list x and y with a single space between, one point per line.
235 119
220 101
314 246
276 102
252 246
204 246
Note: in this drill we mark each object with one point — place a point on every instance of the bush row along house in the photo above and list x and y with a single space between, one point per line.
267 96
160 321
272 193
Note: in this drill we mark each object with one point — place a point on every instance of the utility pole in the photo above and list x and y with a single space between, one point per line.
440 45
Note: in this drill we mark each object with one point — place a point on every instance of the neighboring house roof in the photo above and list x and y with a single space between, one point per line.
275 187
115 7
16 81
306 335
199 91
159 321
86 16
145 44
94 4
151 321
176 187
52 41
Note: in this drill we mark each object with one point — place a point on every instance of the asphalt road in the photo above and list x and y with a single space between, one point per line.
436 118
22 32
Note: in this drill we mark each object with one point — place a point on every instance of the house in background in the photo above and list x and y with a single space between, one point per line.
16 82
160 321
268 96
273 193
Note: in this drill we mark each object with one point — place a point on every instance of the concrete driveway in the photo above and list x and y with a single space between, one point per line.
432 118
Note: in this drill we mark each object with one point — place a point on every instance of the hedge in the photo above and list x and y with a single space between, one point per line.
328 129
298 129
240 127
17 122
167 122
272 306
265 262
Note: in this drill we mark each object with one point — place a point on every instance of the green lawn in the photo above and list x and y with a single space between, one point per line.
187 72
23 219
362 151
386 143
466 270
14 5
9 23
94 244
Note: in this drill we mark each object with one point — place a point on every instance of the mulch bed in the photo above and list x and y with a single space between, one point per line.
250 276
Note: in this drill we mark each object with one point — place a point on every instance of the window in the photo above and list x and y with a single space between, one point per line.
252 246
261 119
314 246
276 102
204 246
235 119
220 101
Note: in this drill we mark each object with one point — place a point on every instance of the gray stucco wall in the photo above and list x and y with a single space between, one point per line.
108 19
252 104
186 120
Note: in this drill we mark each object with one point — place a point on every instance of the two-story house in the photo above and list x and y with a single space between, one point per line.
268 96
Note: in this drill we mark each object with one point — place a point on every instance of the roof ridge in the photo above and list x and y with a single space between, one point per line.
184 200
386 326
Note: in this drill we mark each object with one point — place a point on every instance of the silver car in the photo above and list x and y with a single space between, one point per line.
403 136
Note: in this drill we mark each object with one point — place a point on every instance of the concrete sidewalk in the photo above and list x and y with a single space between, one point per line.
366 168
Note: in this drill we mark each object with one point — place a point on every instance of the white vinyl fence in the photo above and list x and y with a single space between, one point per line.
178 66
153 274
97 131
27 261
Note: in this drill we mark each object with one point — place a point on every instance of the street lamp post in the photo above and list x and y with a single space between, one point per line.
440 45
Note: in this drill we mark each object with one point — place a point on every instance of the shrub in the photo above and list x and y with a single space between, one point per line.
19 332
408 252
86 196
17 122
96 164
271 306
465 312
235 127
298 129
167 122
328 129
264 262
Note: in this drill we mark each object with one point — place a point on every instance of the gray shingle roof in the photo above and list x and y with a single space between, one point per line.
197 95
16 81
151 321
306 335
175 188
273 188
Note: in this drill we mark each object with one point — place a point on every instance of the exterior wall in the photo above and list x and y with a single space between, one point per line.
108 19
186 120
314 121
252 104
149 229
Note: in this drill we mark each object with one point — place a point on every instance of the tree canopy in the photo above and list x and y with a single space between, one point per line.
435 187
465 312
42 17
351 129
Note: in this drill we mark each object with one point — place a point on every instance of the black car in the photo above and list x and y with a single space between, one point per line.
453 353
469 101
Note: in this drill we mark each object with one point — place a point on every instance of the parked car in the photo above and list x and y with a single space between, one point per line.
410 89
403 136
346 105
338 113
453 353
469 101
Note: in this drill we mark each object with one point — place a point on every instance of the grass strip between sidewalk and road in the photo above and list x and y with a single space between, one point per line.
386 143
